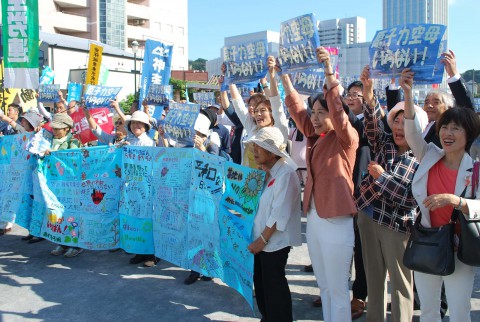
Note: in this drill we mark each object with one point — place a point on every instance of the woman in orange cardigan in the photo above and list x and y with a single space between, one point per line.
328 202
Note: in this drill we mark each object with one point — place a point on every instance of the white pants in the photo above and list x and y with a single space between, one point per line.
330 245
458 288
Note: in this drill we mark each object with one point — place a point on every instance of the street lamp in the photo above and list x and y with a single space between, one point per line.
135 49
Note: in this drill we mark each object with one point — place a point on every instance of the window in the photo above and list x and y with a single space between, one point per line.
181 30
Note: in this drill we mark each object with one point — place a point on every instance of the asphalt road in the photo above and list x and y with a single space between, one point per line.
103 286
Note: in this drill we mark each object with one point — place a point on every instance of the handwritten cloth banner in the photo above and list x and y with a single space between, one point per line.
94 63
190 208
100 96
205 99
157 65
74 92
159 94
246 62
48 93
180 121
298 40
16 172
20 41
414 46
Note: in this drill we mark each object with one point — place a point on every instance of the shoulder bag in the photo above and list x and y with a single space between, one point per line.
430 250
469 239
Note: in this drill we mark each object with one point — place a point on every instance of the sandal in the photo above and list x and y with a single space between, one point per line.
358 307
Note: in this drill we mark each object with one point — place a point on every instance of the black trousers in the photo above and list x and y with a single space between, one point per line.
359 287
273 296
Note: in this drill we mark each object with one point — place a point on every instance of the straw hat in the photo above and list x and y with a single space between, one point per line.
271 139
419 113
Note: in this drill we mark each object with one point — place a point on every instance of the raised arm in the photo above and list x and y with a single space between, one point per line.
278 112
461 93
372 110
296 108
116 107
343 129
413 131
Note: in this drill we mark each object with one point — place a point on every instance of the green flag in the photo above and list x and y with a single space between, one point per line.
20 43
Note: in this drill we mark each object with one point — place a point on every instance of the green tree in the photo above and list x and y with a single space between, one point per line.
467 76
126 103
198 64
179 86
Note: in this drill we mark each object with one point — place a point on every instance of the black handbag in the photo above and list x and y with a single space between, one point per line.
469 239
430 250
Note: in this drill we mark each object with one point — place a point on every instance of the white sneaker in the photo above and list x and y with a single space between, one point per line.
72 252
59 250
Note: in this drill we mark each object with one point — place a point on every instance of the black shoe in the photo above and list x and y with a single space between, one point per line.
139 258
5 231
206 278
27 237
36 240
308 268
192 278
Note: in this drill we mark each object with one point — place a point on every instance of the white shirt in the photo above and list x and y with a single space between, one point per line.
142 140
280 204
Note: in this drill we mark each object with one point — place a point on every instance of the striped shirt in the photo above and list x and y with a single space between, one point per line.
390 196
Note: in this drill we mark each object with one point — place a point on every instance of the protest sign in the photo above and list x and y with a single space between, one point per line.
47 76
100 96
159 94
298 40
157 65
20 43
205 99
180 121
245 62
94 63
81 129
48 93
74 92
414 46
310 81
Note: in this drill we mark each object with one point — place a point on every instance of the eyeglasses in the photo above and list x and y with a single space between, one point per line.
118 123
353 95
261 111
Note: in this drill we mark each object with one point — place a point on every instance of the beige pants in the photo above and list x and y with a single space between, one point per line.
383 252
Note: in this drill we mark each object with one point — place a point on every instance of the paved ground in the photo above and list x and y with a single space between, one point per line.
102 286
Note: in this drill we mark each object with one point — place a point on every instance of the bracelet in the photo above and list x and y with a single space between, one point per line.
329 74
263 238
459 204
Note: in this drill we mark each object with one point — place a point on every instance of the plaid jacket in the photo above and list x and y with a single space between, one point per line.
391 194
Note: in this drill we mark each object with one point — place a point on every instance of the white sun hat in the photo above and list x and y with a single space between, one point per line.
139 116
271 139
419 113
202 124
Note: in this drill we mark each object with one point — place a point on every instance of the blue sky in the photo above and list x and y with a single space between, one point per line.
210 21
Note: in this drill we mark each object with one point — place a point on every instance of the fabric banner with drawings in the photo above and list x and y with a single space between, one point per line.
190 208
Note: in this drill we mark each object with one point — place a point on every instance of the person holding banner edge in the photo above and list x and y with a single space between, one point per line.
328 197
277 225
442 175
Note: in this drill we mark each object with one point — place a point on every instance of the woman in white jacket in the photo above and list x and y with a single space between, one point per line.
253 118
442 176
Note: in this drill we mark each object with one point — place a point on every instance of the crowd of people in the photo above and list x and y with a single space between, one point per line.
365 171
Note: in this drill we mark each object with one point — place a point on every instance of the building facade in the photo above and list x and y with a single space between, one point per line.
347 31
118 23
400 12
